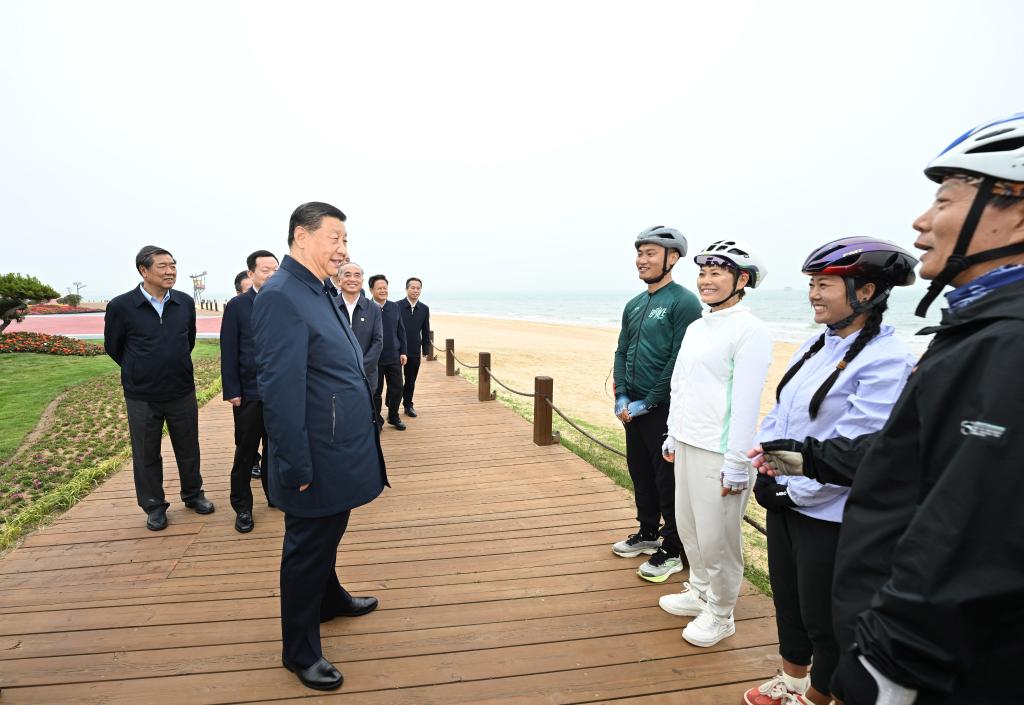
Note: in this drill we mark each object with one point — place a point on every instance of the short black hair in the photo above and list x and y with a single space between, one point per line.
250 261
376 278
410 280
146 254
309 215
244 274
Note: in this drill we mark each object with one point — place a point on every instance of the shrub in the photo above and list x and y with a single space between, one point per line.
70 300
49 344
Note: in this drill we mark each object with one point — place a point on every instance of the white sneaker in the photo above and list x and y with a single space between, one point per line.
688 603
708 630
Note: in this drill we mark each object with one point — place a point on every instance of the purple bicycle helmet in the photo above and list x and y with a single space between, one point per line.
863 258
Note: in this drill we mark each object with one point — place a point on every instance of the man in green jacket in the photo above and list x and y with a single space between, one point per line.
653 325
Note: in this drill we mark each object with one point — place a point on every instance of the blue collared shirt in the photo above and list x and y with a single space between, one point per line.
158 304
859 402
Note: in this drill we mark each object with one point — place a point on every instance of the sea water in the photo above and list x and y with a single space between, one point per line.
786 311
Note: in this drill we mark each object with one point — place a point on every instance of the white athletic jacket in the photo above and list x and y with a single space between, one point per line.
717 382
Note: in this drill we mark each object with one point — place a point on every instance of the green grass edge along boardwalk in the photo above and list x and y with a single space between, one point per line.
490 557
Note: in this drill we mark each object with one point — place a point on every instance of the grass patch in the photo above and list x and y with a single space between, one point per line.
614 466
88 442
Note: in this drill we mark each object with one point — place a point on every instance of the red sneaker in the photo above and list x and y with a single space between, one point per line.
774 692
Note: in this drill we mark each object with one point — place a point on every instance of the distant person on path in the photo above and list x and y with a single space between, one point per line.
716 399
362 315
243 282
416 317
653 325
325 455
930 566
393 353
843 382
150 332
238 379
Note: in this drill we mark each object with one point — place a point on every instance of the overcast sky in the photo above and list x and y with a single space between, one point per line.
479 145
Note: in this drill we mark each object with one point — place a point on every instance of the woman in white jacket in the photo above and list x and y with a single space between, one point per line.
716 392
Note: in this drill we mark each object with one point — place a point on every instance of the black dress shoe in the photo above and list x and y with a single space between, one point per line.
397 423
356 608
243 522
157 520
322 675
256 471
411 412
201 505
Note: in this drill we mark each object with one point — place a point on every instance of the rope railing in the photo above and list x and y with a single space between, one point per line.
542 405
502 384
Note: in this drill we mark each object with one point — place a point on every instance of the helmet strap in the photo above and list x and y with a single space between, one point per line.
735 281
857 305
665 269
957 262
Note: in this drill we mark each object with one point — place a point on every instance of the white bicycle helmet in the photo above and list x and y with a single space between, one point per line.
994 149
993 152
737 254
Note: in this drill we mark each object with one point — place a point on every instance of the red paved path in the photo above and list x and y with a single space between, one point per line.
91 324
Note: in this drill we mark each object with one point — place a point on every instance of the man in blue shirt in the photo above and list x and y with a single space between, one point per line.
150 332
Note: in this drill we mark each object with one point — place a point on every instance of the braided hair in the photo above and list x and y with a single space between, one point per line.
872 327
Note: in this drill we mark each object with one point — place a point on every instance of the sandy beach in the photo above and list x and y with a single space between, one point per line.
579 359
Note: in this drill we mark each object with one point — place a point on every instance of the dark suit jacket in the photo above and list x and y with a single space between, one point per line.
317 404
366 324
417 327
155 355
238 349
394 334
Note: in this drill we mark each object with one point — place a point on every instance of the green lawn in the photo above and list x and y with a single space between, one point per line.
30 381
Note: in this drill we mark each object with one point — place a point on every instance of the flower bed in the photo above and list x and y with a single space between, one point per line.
49 344
46 309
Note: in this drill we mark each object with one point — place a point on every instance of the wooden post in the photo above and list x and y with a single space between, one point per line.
449 357
433 352
484 392
543 389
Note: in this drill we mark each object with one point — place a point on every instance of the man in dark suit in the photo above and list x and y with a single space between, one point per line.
416 317
150 332
325 455
238 379
393 354
361 315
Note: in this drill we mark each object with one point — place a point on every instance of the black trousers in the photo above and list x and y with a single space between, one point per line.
249 432
412 370
310 590
392 374
145 425
654 481
801 560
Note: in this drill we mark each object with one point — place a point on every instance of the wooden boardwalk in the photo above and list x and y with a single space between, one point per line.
490 557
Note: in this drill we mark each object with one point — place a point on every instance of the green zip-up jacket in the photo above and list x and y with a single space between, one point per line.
653 326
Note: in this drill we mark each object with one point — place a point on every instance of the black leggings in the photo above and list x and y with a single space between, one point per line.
801 560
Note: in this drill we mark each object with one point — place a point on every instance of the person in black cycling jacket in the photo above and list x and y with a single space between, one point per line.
929 581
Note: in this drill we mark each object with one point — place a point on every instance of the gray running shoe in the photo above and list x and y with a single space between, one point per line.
635 544
659 566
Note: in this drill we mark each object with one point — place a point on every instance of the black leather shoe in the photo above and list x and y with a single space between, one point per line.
157 520
357 608
243 522
256 471
397 423
201 505
322 675
411 412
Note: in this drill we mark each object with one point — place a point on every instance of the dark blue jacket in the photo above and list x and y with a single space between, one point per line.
155 354
394 333
366 324
238 349
317 406
417 327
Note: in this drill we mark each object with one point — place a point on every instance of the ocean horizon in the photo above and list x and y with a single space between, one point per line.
786 311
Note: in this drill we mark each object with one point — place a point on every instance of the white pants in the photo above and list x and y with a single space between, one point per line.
710 527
